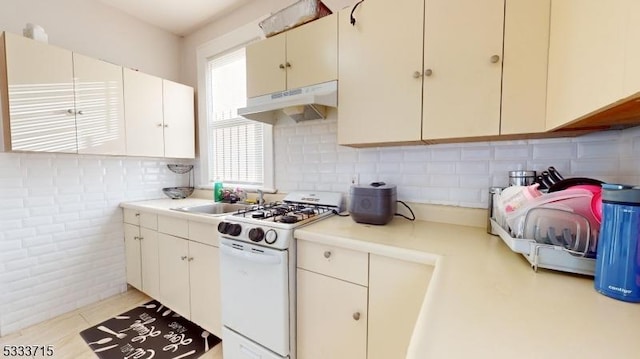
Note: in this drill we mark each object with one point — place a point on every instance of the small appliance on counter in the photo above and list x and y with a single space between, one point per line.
617 273
375 203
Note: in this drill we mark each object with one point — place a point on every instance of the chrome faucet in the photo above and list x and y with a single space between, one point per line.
260 197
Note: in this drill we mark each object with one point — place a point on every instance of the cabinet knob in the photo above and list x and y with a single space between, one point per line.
165 126
71 111
140 238
135 238
356 316
137 214
183 257
190 259
327 254
281 66
417 74
495 59
428 72
80 112
288 64
159 125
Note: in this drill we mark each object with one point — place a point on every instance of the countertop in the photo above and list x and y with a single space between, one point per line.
485 301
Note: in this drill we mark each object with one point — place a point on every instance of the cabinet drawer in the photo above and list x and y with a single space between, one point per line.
174 226
149 220
131 216
204 233
345 264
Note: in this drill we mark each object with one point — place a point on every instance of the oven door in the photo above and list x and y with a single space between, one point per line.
255 294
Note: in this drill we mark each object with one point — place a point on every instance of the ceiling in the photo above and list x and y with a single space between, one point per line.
182 17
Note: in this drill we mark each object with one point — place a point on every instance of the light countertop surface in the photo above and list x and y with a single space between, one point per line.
485 301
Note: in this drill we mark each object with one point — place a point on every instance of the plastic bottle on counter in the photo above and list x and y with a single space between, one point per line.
515 197
217 191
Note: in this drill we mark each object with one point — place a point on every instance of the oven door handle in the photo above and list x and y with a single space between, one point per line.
262 258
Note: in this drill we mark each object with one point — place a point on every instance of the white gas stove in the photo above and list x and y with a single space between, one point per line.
258 274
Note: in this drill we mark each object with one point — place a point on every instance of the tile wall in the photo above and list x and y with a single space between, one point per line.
307 157
61 230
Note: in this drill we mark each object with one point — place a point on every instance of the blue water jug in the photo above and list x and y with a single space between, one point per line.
617 273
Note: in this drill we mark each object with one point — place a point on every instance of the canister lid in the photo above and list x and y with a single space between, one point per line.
515 174
621 193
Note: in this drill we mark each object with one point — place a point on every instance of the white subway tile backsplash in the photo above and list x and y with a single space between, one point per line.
456 174
59 218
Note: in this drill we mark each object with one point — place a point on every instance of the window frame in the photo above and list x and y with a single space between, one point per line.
226 43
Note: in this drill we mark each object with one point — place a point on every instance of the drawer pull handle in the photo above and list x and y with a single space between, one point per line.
140 238
190 259
327 254
137 214
183 257
356 316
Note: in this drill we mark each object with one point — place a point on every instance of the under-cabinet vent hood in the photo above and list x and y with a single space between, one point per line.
306 103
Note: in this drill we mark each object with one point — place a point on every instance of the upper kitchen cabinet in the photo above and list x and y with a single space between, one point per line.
143 114
380 73
159 116
303 56
99 106
462 68
386 94
179 125
594 76
37 97
524 69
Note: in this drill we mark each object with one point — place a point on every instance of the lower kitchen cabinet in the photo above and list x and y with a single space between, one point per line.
332 317
339 319
174 273
176 262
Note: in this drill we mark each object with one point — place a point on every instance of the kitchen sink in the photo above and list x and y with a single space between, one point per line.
213 208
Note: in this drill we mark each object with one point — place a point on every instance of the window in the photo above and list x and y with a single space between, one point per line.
235 150
235 143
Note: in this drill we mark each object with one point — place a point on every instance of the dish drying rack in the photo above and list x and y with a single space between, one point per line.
546 256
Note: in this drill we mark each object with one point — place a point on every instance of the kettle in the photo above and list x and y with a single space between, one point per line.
617 273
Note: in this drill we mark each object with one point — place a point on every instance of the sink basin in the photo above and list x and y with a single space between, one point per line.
213 208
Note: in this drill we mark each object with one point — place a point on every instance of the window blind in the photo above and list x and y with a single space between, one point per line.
236 145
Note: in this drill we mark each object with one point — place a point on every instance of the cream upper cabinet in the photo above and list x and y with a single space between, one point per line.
586 57
331 318
179 125
462 68
143 114
632 50
99 106
37 96
524 69
380 66
300 57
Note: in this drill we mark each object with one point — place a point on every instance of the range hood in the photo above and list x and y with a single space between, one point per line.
305 103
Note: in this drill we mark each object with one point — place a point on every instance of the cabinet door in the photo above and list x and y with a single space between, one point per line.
174 273
204 277
463 68
143 114
266 71
586 58
393 313
331 318
632 51
179 125
380 99
524 71
39 91
99 106
149 255
312 53
132 255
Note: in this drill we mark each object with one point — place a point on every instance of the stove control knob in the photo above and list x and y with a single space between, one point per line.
222 227
256 234
234 230
271 236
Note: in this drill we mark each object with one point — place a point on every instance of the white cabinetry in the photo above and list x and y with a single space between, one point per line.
361 305
179 125
175 261
306 55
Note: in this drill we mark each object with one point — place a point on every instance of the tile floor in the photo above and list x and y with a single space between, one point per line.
63 332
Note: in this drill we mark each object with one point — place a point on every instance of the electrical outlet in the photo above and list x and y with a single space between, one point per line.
355 179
